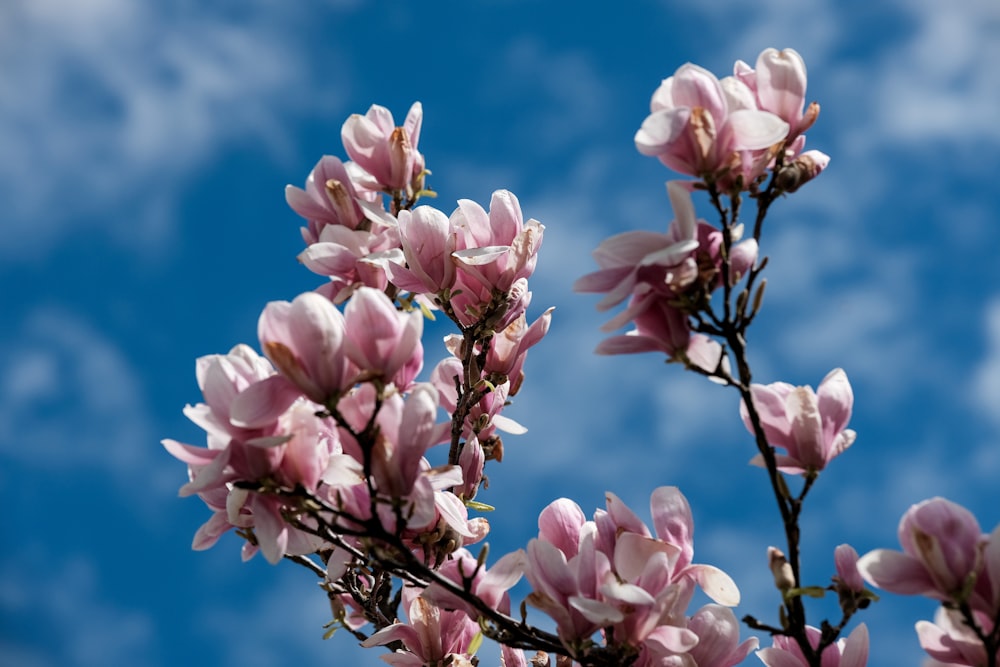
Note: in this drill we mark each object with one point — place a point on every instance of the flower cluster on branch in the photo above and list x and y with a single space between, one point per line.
329 450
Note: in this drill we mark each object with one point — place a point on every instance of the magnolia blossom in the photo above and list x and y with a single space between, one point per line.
382 341
292 447
718 633
304 339
496 252
846 562
849 652
657 271
388 153
430 637
698 126
663 262
488 584
329 199
779 84
428 241
612 573
950 641
352 258
942 547
810 426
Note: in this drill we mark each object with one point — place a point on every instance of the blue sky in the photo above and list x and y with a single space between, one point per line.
145 151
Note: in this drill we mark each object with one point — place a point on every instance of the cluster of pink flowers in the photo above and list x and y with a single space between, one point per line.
321 449
729 132
335 410
612 575
945 557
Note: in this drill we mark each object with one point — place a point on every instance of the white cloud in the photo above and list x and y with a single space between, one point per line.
565 89
70 399
108 105
986 384
942 82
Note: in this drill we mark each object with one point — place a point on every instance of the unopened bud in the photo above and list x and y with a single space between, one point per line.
781 569
803 169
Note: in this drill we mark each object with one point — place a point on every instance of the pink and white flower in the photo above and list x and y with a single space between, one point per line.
387 152
810 426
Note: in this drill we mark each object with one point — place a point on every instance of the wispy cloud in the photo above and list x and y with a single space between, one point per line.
70 400
566 91
108 105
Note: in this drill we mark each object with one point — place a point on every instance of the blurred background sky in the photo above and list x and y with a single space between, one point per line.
145 148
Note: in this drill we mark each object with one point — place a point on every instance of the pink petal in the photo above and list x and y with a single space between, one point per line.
661 129
855 651
501 577
836 399
630 343
895 572
198 456
807 428
717 585
595 611
559 524
263 402
670 638
673 521
753 130
776 657
633 552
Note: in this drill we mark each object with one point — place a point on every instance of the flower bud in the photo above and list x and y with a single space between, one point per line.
803 169
781 569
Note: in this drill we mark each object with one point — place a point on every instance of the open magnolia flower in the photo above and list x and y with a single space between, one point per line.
809 425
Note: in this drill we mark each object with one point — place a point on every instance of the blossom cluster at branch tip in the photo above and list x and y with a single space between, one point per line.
945 557
335 411
729 132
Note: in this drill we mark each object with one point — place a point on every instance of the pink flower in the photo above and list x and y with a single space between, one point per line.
809 426
718 634
611 573
497 248
698 127
850 652
428 243
407 431
509 347
488 584
431 636
351 257
387 152
951 641
663 261
304 339
941 551
659 326
329 199
382 341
